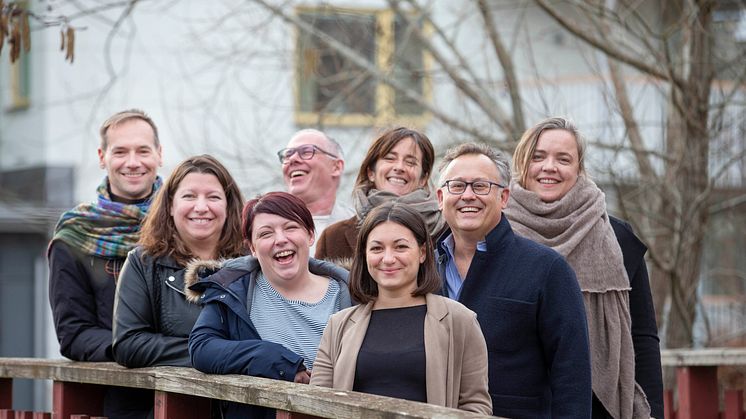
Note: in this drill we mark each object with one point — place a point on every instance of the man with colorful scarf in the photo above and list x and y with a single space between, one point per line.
91 241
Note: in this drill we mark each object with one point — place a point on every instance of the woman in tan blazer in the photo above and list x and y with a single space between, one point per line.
403 341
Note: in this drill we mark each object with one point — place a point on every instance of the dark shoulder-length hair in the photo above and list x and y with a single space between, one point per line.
277 203
159 236
362 286
383 146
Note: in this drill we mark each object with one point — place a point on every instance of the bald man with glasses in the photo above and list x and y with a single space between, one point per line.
312 167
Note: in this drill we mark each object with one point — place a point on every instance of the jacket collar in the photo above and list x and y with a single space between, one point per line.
436 307
201 275
496 239
499 236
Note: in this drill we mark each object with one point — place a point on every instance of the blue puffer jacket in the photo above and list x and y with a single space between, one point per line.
225 341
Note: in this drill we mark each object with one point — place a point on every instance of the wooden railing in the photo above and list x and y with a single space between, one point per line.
697 384
185 393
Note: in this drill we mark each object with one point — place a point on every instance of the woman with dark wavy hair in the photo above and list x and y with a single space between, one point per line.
196 215
403 340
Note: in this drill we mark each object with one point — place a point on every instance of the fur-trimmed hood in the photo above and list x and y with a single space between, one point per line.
195 271
201 274
344 263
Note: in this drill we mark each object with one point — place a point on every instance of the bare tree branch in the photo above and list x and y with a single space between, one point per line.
605 47
633 130
484 101
361 62
111 71
506 61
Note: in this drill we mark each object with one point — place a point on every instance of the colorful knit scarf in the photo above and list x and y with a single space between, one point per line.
105 228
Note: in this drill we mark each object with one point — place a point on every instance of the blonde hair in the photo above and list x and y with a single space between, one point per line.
526 147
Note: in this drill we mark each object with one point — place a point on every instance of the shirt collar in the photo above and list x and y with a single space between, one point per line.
450 245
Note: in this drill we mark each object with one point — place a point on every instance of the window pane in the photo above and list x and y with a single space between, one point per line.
408 68
328 83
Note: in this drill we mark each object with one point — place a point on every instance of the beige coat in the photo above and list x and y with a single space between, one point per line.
455 354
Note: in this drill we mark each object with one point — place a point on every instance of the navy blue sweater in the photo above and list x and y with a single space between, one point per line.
530 309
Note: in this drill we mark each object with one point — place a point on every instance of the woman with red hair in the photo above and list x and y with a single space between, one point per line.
264 314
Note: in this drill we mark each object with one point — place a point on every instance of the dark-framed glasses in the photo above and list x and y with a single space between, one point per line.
305 152
479 187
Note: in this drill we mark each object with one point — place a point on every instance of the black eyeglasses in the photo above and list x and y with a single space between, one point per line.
305 152
479 187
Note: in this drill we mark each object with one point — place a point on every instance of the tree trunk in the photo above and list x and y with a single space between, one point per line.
689 173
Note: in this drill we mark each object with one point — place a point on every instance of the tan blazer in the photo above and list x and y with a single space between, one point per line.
455 354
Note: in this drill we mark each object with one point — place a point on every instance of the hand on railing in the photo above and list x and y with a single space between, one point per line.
303 377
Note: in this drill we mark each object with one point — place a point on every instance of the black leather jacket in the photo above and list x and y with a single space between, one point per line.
152 318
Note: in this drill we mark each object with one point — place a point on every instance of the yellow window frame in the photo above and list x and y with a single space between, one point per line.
384 113
19 83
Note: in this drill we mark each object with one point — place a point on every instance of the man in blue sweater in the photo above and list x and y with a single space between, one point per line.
526 296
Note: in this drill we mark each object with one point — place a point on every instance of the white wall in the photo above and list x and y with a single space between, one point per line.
217 78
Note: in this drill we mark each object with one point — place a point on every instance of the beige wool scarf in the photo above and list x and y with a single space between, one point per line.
577 226
423 201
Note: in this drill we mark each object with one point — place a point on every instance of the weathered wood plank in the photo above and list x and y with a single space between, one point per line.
703 357
281 414
81 372
301 398
282 395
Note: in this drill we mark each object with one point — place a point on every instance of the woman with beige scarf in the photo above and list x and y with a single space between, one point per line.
397 167
553 202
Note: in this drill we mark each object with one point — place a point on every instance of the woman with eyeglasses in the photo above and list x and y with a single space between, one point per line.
555 203
397 167
403 341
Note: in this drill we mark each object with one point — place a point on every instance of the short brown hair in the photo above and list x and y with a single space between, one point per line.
278 203
383 146
123 116
526 147
362 286
159 236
